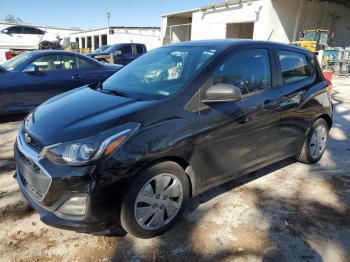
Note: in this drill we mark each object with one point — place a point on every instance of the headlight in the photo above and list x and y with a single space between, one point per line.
89 149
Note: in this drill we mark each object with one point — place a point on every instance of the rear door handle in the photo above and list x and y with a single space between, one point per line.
268 105
76 77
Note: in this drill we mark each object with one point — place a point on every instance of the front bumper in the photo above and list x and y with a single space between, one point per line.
47 191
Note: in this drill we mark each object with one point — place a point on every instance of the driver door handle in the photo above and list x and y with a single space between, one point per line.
76 77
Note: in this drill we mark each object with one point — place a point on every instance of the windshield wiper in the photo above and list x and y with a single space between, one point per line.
100 88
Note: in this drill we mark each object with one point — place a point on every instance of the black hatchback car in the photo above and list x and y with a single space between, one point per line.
126 154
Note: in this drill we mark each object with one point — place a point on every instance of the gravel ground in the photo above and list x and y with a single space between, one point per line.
286 212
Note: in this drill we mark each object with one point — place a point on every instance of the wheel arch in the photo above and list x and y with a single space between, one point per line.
184 164
328 119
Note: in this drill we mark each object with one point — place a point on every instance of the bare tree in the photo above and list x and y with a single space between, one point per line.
13 19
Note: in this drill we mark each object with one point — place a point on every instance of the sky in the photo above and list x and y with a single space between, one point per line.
88 14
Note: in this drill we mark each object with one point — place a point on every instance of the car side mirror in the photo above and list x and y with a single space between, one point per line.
30 69
222 93
5 31
118 52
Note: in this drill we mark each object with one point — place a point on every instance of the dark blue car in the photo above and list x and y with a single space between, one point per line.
33 77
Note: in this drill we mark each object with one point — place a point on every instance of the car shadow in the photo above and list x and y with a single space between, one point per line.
12 118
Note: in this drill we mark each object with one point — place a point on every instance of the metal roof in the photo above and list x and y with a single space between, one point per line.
346 3
118 27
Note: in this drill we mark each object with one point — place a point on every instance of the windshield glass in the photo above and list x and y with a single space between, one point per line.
161 72
101 48
324 38
111 49
310 36
11 64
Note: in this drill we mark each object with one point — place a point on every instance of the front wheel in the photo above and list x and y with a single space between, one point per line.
154 200
315 143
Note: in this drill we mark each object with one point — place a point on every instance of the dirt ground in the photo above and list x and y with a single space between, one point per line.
286 212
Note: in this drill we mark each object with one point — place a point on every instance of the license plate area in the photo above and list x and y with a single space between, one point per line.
32 176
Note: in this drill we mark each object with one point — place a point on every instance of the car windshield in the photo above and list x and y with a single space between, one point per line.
311 36
101 48
161 72
11 64
111 49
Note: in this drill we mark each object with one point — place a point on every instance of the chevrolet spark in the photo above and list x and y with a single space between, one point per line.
125 155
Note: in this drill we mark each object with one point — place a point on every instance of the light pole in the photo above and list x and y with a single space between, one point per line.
108 14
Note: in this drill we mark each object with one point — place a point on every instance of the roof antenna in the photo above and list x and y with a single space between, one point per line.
270 35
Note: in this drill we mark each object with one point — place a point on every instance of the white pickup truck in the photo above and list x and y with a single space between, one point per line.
7 53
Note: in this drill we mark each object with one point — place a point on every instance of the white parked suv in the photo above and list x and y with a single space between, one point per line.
27 37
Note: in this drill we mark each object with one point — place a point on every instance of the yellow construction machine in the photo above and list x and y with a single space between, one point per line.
313 39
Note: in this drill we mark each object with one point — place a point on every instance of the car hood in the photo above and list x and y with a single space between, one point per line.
112 66
97 54
82 113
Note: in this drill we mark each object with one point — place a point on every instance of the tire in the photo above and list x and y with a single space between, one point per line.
309 153
166 203
45 45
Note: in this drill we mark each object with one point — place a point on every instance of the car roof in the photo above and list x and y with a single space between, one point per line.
127 44
53 52
226 43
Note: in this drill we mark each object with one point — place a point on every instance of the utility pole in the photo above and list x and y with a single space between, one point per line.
108 14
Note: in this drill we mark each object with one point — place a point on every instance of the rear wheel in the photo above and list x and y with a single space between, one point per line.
154 200
315 143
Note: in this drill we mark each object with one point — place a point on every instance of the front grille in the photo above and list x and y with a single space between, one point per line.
30 163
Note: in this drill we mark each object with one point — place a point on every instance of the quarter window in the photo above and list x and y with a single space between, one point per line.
294 66
82 63
40 32
247 70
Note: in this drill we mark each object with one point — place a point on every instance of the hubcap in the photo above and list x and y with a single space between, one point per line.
318 141
158 201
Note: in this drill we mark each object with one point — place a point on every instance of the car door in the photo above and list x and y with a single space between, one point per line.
92 71
139 50
239 135
126 56
56 73
296 75
30 36
7 101
12 37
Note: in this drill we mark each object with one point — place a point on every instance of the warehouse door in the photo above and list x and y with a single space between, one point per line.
240 30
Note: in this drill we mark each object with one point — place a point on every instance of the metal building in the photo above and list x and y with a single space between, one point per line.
92 39
277 20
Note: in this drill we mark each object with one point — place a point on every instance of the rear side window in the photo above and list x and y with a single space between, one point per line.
294 66
247 70
28 30
82 63
140 49
126 49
